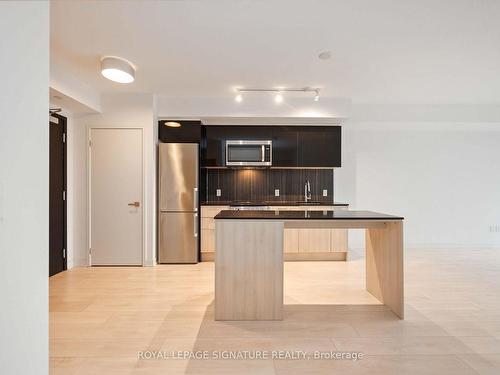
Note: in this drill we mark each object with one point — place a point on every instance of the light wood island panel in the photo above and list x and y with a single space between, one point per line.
249 272
384 265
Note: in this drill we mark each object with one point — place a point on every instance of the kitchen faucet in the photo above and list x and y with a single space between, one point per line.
307 191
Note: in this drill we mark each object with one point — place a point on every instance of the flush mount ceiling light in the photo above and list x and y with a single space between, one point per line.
278 98
172 124
117 69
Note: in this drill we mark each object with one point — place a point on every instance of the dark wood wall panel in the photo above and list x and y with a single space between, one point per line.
259 184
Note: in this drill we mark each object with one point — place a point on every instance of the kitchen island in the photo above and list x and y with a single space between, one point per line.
298 244
249 258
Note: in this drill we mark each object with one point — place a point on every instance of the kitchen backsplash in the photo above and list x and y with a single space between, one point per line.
260 184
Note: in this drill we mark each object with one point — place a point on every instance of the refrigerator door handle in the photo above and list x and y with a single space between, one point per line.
195 199
195 225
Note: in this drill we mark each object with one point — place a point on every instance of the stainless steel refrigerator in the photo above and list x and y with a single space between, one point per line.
178 203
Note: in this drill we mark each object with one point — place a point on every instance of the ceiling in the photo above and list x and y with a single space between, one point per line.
424 51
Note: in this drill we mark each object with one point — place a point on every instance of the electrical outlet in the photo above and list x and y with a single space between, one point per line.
218 192
325 193
276 192
494 228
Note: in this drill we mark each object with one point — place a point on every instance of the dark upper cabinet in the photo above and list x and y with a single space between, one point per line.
285 146
215 151
333 145
319 146
293 146
190 131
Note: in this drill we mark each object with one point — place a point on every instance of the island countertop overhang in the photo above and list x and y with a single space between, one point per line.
304 215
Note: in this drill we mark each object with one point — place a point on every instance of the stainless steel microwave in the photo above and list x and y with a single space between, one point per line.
249 153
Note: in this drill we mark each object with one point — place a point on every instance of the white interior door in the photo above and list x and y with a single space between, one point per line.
116 194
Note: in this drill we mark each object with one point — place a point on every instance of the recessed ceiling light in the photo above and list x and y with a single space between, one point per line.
117 69
239 98
325 55
278 98
172 124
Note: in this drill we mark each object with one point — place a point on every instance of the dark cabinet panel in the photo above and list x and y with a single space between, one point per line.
215 146
247 132
319 146
333 140
190 131
285 146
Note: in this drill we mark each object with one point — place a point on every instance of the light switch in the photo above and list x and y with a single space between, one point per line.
218 192
325 193
276 192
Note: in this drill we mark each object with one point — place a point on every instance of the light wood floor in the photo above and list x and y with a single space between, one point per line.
100 318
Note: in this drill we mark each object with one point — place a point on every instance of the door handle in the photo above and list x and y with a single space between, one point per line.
134 204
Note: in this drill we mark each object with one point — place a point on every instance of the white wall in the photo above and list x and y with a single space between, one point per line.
120 110
442 176
24 175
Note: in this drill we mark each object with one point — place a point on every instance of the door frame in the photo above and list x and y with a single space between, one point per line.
89 187
63 121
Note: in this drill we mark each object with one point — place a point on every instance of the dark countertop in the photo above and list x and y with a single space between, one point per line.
271 203
305 215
